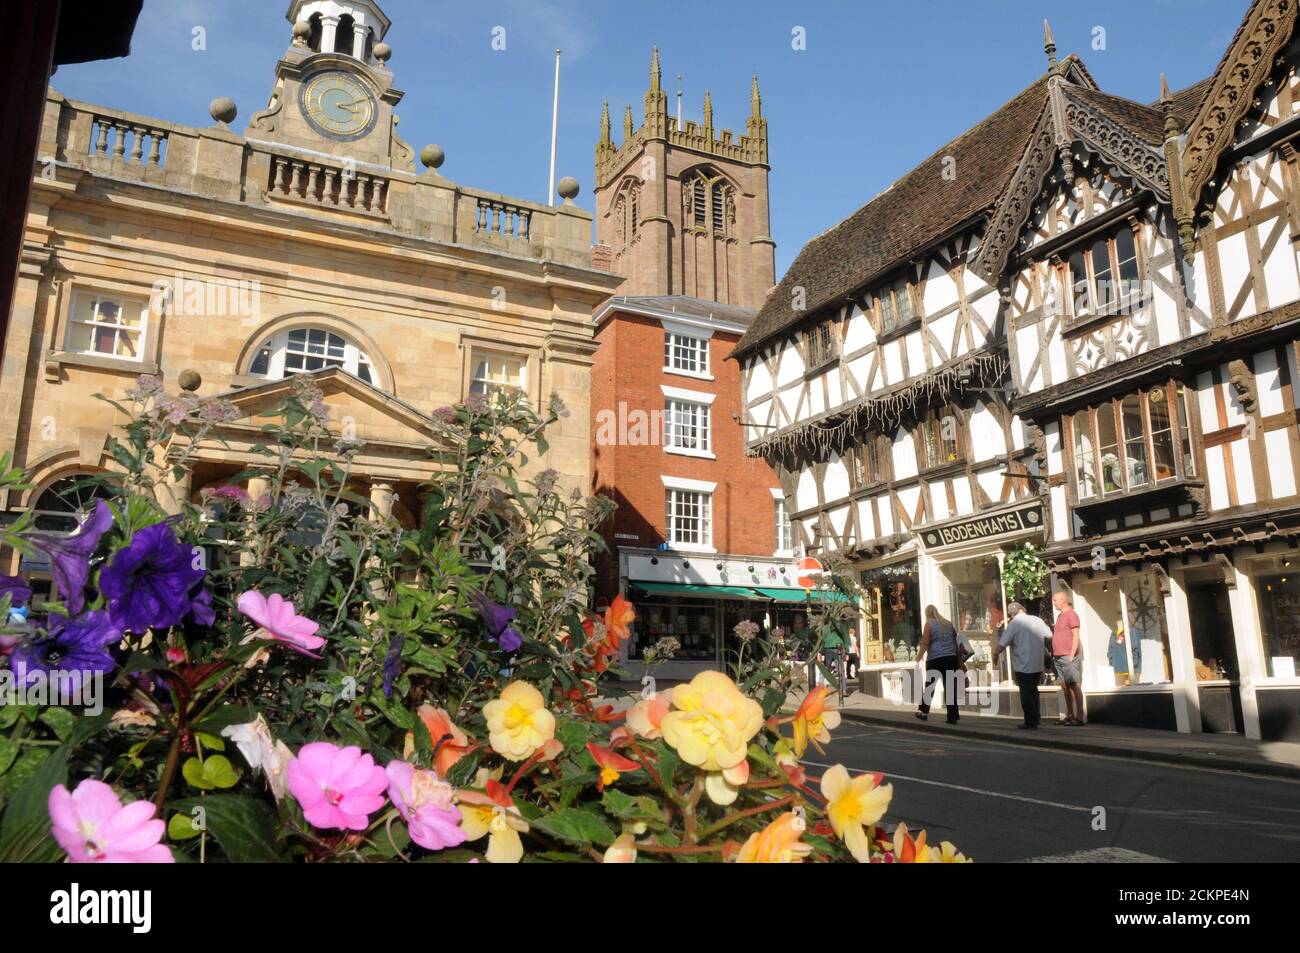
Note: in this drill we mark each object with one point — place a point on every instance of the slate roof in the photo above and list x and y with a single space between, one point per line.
687 306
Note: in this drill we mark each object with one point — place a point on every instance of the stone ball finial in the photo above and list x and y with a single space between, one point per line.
382 52
568 188
189 380
301 33
432 156
223 110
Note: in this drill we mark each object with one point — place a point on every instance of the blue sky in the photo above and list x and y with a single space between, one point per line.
881 84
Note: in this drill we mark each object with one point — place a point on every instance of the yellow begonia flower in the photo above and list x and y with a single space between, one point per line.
778 843
711 722
480 815
723 787
853 804
814 721
622 851
947 853
518 722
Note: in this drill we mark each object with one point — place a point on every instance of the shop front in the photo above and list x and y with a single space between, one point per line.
692 603
956 566
962 563
1194 643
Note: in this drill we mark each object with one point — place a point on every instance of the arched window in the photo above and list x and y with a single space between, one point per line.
709 200
627 213
343 35
310 349
313 38
60 508
62 505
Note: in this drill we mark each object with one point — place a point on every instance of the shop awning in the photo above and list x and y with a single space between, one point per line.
784 594
691 589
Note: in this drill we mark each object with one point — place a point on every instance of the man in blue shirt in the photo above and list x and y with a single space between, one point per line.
1027 637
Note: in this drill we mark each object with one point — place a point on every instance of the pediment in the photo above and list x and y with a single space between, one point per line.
357 410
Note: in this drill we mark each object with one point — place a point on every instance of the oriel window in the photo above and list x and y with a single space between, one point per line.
1132 442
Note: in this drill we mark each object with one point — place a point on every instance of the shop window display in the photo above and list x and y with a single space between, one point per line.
692 624
893 613
1279 597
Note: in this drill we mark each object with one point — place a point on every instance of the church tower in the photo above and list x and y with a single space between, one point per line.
683 208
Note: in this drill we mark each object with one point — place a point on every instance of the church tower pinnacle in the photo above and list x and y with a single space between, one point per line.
683 207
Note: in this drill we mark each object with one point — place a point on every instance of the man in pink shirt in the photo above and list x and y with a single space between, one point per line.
1067 656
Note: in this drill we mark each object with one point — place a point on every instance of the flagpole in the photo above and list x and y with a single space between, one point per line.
555 119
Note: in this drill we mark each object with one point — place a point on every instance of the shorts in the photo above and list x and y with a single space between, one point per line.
1068 670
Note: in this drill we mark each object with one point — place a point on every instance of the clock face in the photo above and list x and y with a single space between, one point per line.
337 105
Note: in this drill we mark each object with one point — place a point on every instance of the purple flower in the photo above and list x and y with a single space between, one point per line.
201 607
70 554
147 584
497 619
73 647
393 663
17 590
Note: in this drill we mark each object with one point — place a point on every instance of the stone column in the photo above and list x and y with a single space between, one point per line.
359 33
328 33
173 493
381 498
257 488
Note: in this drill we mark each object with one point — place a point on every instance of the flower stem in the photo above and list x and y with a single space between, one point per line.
747 812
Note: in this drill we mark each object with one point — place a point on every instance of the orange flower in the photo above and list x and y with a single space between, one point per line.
618 617
813 721
611 765
454 744
778 843
909 850
644 717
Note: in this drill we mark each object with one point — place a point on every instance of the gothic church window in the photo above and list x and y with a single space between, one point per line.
709 201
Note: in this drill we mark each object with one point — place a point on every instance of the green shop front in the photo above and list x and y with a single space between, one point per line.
697 601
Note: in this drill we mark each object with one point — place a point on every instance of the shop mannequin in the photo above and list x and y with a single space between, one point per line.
1119 658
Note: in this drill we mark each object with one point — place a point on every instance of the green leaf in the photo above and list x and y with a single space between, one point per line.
60 721
318 577
210 742
30 802
576 826
244 827
574 734
181 827
214 772
8 754
625 807
463 771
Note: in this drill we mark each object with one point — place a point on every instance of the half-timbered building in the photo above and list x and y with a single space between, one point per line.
1073 325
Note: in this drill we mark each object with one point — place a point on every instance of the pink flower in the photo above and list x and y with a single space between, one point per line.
425 802
91 824
280 622
338 788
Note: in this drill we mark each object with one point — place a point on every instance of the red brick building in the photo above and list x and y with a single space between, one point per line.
700 540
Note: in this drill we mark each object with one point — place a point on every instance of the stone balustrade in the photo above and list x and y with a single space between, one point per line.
216 162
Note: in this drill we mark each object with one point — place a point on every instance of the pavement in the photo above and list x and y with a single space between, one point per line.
1224 752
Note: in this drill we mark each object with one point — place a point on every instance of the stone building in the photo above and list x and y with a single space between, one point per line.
1073 326
700 540
310 243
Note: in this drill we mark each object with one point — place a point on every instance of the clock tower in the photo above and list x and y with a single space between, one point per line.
334 93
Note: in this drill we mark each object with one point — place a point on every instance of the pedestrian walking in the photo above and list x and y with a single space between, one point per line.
939 647
1027 636
1067 656
833 656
